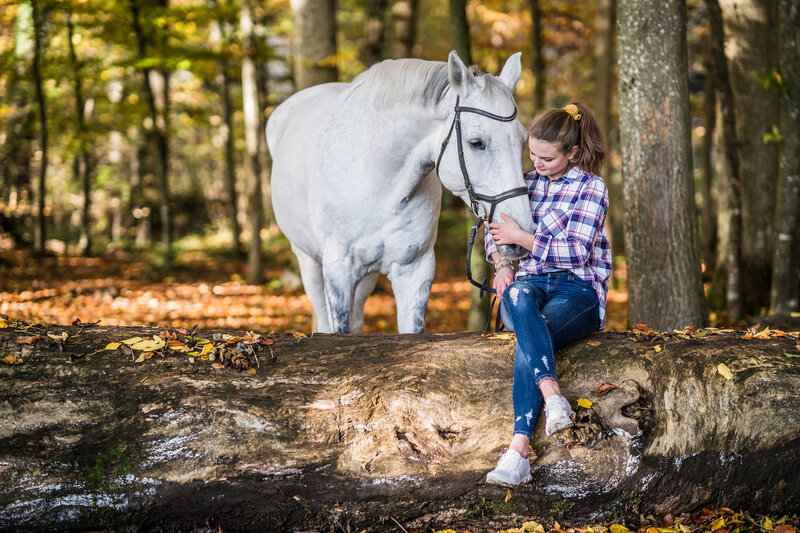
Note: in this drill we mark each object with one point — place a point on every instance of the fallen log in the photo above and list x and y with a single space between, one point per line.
275 432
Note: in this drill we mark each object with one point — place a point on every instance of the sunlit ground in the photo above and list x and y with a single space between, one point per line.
208 292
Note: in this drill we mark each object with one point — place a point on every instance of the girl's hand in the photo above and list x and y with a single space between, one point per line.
502 280
507 232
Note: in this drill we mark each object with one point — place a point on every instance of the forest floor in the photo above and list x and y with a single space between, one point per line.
125 290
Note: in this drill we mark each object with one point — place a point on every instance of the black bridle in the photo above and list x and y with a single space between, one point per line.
476 197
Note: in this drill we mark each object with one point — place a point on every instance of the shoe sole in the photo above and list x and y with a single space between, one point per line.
504 484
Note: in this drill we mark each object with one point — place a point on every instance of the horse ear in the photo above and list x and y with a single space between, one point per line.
460 76
512 70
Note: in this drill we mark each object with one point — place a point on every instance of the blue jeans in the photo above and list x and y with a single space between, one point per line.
547 312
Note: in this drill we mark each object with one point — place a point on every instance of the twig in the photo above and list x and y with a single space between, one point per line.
150 373
398 523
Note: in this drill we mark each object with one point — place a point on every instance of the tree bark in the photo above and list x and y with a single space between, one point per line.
404 28
40 233
733 166
374 32
751 48
708 226
220 36
349 430
661 236
82 162
252 127
314 47
785 262
537 57
459 30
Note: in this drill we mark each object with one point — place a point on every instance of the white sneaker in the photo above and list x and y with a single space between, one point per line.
512 469
559 414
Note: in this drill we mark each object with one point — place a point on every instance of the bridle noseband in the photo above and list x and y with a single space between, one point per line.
475 197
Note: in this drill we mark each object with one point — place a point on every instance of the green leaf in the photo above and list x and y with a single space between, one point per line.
787 354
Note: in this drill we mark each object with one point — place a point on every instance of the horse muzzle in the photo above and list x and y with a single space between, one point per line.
513 251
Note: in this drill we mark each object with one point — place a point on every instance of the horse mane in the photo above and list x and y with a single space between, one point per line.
404 82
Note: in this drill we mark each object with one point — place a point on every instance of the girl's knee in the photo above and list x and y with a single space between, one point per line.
517 293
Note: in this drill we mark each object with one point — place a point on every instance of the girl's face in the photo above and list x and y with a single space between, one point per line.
548 159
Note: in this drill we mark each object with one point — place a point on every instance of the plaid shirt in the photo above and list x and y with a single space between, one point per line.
569 214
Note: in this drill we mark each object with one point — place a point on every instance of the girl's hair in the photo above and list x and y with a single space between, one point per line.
573 125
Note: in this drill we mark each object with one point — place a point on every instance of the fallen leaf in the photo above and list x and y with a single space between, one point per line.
593 343
217 366
251 371
657 348
784 528
298 334
614 528
3 324
112 346
207 348
718 523
724 371
28 340
583 402
787 354
132 341
62 337
532 527
12 359
605 388
767 521
508 494
268 341
749 334
701 334
149 345
667 521
764 334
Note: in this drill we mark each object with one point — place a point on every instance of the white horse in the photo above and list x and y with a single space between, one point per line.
353 186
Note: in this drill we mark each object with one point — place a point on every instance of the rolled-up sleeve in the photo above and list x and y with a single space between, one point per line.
489 245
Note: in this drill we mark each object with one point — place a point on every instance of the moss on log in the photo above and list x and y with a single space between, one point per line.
362 430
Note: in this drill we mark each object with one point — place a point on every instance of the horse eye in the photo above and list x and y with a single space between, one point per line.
477 144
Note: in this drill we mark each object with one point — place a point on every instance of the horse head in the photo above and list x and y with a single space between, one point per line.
482 162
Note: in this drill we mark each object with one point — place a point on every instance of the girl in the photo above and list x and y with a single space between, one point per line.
558 294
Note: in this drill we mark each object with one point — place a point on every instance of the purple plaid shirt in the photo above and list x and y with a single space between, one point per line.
570 215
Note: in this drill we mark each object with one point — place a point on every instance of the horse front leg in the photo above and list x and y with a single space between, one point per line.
339 288
411 284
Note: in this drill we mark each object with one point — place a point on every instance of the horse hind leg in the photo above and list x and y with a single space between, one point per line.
363 289
311 274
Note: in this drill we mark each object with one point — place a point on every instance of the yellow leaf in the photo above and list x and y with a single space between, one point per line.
298 334
657 348
614 528
251 371
532 527
767 521
112 346
508 494
762 334
724 371
207 348
583 402
148 345
3 323
12 359
63 336
719 523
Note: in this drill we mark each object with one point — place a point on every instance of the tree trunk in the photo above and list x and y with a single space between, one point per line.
314 48
347 431
785 263
40 233
404 28
537 57
82 163
252 127
220 36
374 32
733 182
459 30
708 226
661 236
751 44
156 89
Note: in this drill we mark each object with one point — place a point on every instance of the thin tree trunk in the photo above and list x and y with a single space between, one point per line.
404 28
708 215
784 293
156 89
252 131
661 236
459 30
314 48
374 32
82 162
537 58
732 165
38 35
219 36
751 43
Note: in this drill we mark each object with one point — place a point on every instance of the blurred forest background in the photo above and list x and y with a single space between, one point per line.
134 174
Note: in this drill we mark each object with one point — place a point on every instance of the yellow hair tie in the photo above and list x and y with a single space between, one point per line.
572 109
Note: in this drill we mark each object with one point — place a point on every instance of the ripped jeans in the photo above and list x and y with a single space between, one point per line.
547 312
